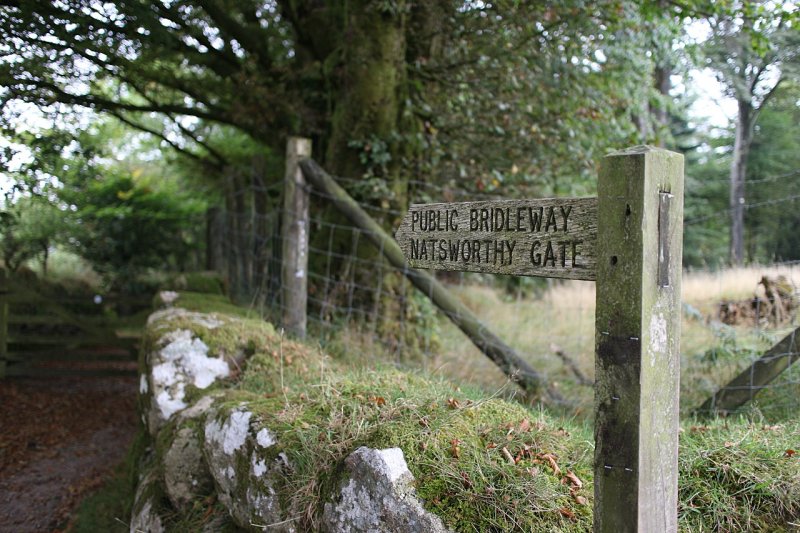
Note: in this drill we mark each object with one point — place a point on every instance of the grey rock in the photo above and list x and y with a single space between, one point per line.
186 475
144 516
179 360
244 476
146 520
379 497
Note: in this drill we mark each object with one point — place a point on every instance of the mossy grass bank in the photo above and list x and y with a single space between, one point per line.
480 462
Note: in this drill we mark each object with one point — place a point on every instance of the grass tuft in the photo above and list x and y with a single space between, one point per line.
739 475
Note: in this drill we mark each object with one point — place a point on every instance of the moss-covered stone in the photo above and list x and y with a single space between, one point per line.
378 495
203 282
186 476
210 303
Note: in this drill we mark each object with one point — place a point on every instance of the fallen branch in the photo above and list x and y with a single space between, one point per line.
572 365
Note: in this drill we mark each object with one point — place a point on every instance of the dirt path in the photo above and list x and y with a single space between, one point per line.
59 439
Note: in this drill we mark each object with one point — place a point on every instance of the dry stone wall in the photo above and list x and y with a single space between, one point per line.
205 442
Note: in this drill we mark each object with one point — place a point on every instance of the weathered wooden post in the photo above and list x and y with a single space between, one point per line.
637 365
4 288
294 274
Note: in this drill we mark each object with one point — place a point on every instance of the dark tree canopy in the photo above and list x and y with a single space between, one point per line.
512 92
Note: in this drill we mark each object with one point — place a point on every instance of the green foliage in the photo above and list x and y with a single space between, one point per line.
527 95
748 40
726 349
123 227
772 177
29 228
94 191
770 185
542 94
67 269
754 47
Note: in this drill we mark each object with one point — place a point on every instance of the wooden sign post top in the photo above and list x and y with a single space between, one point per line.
549 237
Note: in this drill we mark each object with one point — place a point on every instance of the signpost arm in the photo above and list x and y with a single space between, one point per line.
503 355
637 368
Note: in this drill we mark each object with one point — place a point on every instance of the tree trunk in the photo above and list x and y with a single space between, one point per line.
364 46
369 87
367 125
244 233
215 257
232 251
261 227
46 252
741 148
659 111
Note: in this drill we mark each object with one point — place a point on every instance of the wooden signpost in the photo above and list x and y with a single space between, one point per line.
548 237
628 239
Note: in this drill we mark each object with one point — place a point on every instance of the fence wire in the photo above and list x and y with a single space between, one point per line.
363 309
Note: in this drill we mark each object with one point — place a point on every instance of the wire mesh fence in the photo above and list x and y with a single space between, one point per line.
362 308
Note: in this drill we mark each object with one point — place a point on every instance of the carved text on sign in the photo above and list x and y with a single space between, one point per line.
545 237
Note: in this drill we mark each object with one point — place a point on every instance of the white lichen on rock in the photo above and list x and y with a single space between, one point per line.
192 355
265 438
379 497
183 360
222 439
392 464
231 434
248 494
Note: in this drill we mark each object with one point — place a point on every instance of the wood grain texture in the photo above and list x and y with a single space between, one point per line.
294 227
637 365
548 237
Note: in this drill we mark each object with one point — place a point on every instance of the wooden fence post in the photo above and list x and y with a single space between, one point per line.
4 289
294 224
637 365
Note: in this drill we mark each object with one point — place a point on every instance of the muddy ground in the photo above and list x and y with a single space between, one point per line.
60 438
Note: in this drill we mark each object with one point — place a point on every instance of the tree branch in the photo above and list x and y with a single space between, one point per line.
247 37
97 102
184 151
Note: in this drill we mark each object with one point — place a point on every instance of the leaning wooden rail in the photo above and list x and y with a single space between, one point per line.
757 376
505 357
